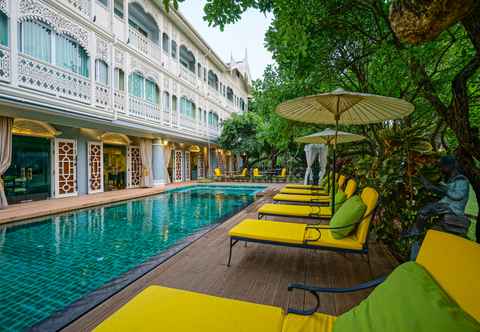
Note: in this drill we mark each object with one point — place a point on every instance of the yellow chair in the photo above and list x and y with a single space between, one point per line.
319 198
452 261
305 235
217 173
243 176
282 176
304 211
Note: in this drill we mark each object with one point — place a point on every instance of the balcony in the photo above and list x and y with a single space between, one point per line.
187 75
102 95
145 45
142 109
188 122
42 76
5 64
119 101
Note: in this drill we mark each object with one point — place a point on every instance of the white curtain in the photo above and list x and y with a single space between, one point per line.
168 154
323 160
6 125
146 155
310 154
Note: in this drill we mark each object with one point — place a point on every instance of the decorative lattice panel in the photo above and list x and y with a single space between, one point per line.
200 166
178 166
65 167
95 167
134 167
187 166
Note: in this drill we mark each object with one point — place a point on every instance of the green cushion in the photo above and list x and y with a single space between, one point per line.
350 212
409 300
340 198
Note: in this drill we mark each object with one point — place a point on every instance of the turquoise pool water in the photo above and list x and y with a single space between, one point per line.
48 265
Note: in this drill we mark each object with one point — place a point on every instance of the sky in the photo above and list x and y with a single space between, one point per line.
247 33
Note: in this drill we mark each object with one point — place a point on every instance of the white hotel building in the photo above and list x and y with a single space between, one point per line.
110 94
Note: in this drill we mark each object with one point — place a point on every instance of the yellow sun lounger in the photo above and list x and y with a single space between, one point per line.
304 211
313 192
305 235
165 309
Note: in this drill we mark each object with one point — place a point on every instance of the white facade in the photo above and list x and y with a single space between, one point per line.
141 72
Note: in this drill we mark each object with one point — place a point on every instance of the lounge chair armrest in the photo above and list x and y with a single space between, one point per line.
330 227
315 291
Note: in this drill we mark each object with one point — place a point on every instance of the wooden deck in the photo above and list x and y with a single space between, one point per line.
259 273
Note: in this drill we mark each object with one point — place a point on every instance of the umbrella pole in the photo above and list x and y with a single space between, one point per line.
337 116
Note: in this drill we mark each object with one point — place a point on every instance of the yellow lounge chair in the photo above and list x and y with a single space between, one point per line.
242 176
217 173
304 211
166 309
313 192
282 176
305 235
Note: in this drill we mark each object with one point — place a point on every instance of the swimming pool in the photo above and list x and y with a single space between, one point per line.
55 269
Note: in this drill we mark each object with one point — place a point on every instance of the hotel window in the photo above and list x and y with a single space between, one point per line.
174 49
204 74
174 104
213 80
165 42
242 104
230 94
3 29
199 70
213 119
187 108
37 40
101 72
119 79
187 59
118 8
152 93
166 101
103 2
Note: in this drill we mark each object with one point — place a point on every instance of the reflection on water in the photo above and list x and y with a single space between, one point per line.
47 265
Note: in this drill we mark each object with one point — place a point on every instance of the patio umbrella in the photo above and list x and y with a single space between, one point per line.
343 107
327 137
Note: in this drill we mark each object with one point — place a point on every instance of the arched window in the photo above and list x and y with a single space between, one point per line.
119 79
166 101
174 49
152 93
143 88
187 59
3 29
242 104
165 42
101 72
230 94
174 104
187 108
213 80
213 119
37 40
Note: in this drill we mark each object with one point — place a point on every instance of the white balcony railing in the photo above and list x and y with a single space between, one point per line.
119 100
5 64
188 122
83 6
187 75
145 45
142 109
102 95
42 76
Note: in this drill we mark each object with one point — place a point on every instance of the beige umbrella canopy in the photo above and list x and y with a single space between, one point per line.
343 107
327 136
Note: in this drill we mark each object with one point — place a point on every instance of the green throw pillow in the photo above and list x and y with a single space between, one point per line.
340 198
410 300
349 213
